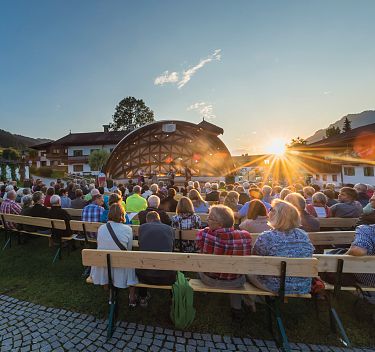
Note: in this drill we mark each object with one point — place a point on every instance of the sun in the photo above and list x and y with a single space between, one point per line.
277 147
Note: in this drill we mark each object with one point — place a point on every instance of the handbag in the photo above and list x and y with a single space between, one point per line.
114 237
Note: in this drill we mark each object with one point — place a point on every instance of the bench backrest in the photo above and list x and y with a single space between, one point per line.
77 213
352 264
337 222
33 221
297 267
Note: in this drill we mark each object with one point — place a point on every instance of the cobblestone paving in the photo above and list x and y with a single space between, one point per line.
29 327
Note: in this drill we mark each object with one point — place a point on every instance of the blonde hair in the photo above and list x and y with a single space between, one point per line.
284 192
185 206
284 216
231 200
308 191
195 197
297 200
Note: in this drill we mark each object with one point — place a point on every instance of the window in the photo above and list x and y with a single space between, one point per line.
77 152
77 168
55 151
349 171
368 171
324 177
44 163
334 178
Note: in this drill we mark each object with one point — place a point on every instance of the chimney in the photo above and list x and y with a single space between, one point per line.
106 128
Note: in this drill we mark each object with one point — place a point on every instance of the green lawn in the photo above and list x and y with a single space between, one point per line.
27 273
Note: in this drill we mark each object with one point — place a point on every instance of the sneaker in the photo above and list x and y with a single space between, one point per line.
133 304
143 302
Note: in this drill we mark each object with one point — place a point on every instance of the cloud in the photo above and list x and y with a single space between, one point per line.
204 109
327 93
166 77
173 77
186 76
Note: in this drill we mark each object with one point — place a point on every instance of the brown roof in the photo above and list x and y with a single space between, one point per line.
346 138
210 127
88 138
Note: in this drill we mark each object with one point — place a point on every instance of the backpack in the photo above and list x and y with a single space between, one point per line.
182 312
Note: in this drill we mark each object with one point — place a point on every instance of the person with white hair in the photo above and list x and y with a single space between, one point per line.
7 189
153 205
207 188
213 196
56 212
9 206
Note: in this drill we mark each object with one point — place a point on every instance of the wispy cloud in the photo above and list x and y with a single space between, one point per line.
186 76
204 109
166 77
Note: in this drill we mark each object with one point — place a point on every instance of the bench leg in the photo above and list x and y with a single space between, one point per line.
57 255
112 310
336 323
8 240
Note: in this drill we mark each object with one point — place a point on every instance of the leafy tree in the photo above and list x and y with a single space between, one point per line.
11 154
131 113
347 125
296 142
97 159
332 131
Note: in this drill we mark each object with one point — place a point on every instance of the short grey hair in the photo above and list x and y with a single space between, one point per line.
137 189
319 197
360 187
55 200
27 200
154 188
9 188
214 186
223 214
246 185
153 201
12 194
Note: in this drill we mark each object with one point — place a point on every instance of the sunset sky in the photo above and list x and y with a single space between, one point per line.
262 70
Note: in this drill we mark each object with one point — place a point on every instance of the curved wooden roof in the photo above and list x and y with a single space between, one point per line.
155 148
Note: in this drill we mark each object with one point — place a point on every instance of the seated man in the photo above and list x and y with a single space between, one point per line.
153 205
78 202
93 212
220 238
364 244
39 210
348 207
9 206
213 195
135 203
154 236
57 212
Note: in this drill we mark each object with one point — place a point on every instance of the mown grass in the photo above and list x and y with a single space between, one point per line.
27 273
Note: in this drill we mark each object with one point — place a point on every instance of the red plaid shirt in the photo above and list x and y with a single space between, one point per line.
224 241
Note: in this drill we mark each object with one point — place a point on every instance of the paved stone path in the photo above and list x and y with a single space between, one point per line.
27 327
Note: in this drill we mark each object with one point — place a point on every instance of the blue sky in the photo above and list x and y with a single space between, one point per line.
259 69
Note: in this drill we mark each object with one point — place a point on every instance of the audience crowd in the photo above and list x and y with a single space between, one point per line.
282 216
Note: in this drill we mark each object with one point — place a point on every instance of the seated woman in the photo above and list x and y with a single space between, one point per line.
186 219
220 238
200 206
257 219
308 222
114 198
318 208
231 201
122 278
285 240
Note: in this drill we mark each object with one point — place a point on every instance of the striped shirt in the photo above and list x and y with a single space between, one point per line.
10 207
365 239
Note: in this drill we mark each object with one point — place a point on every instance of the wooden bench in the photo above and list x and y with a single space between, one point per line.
341 264
257 265
74 213
48 224
337 222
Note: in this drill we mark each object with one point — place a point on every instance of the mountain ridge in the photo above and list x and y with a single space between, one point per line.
18 141
357 120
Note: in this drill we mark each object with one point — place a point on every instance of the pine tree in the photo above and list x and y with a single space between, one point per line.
347 125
